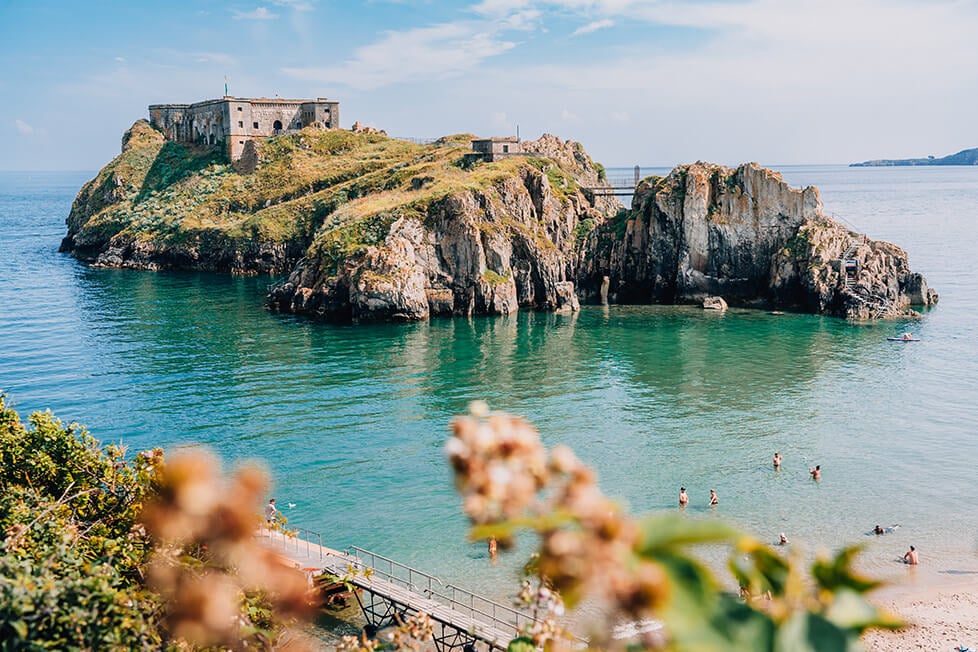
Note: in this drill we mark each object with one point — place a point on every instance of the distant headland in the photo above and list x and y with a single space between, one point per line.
964 157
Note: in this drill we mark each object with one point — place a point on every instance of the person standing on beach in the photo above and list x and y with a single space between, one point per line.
777 461
816 472
493 547
271 511
911 557
683 498
714 499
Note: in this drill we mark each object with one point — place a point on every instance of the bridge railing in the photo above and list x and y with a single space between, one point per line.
416 140
621 182
489 611
295 538
396 572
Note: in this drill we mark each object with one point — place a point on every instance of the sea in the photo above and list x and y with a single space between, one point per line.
351 420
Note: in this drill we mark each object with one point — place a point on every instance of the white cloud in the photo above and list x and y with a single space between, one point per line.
120 59
296 5
594 26
426 53
521 20
219 58
751 84
23 128
258 13
568 116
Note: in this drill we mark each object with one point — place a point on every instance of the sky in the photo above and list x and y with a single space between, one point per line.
647 82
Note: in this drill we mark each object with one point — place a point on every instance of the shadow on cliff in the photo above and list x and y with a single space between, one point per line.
176 161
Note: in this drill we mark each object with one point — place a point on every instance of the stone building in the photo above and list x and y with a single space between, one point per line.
494 149
233 121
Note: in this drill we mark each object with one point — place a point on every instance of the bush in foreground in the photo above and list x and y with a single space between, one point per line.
99 553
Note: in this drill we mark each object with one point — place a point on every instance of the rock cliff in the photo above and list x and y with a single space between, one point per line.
747 236
509 241
367 227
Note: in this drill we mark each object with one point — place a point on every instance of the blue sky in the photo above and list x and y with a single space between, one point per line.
652 82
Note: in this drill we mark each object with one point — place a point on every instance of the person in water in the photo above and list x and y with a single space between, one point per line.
714 499
878 530
816 472
683 498
777 460
911 557
782 540
907 336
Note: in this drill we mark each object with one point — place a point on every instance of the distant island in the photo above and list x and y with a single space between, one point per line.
964 157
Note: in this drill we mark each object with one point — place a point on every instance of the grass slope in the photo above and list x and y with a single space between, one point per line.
335 190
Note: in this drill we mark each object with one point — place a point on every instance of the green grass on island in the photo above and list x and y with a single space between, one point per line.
333 191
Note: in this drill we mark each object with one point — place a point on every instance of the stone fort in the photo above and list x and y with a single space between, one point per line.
234 121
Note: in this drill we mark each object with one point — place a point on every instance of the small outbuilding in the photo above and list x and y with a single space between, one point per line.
494 149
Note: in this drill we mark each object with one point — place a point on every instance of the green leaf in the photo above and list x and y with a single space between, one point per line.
20 627
521 644
838 573
808 632
852 611
762 570
667 532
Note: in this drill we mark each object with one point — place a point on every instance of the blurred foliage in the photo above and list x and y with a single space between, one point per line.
71 555
103 553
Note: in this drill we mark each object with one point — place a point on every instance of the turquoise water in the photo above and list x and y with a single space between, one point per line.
351 420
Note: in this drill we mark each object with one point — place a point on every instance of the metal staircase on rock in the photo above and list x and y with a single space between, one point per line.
877 305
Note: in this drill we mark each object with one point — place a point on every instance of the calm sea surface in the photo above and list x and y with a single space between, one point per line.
351 420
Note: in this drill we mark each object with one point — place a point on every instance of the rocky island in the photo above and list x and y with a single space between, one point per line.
366 227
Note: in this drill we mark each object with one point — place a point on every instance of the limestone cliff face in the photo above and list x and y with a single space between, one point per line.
490 250
744 234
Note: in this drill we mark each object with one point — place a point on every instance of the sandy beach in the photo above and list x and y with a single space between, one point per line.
939 606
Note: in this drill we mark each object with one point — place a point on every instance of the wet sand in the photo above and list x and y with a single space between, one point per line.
939 605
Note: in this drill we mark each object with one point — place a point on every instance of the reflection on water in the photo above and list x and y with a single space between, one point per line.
351 419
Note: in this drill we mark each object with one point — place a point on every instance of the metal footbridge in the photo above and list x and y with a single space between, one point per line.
390 592
620 186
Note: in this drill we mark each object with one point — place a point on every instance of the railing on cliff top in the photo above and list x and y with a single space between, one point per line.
416 140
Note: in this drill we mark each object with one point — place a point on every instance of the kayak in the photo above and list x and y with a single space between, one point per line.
903 339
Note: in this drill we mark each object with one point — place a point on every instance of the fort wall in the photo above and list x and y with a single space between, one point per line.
233 121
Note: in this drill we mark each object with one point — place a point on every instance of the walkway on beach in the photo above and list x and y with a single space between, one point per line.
390 591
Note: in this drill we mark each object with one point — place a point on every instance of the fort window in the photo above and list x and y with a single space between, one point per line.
505 149
239 108
277 125
240 123
255 125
